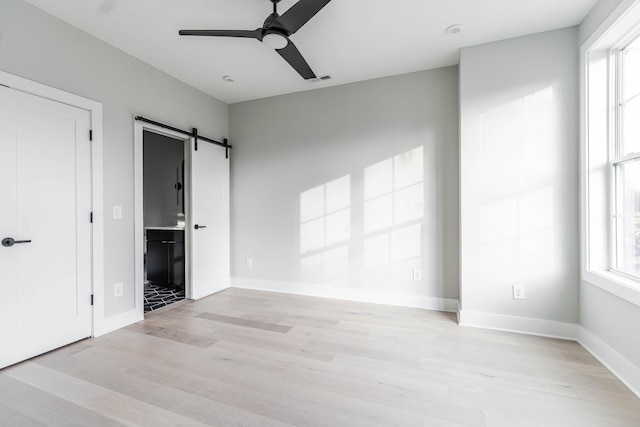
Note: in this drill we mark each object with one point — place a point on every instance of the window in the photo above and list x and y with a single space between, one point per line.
610 155
625 162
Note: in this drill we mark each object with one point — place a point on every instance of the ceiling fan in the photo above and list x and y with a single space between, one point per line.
275 32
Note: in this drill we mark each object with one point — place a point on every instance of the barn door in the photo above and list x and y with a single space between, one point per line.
210 258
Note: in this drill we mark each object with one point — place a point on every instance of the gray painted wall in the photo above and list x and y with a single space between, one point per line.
605 315
519 176
37 46
375 163
163 157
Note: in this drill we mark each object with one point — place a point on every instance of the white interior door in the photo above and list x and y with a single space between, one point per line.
45 198
209 243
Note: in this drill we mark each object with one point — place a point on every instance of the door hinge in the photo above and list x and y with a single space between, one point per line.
91 299
91 217
91 135
194 134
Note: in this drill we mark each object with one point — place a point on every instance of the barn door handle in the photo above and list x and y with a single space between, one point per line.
199 226
9 241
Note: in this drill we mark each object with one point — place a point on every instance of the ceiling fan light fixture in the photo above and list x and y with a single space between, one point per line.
275 40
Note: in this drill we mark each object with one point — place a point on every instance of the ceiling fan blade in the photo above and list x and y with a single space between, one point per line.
292 55
300 13
249 34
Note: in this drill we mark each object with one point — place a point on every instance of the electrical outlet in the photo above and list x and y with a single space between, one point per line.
417 275
118 290
518 292
249 262
117 212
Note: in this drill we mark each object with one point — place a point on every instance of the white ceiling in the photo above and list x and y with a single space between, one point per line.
350 40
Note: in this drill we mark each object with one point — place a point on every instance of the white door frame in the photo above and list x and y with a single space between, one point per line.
138 162
95 110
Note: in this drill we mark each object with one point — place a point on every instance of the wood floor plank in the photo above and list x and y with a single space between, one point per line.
172 334
541 408
118 406
273 341
13 418
290 403
253 358
375 350
497 376
158 390
245 322
32 407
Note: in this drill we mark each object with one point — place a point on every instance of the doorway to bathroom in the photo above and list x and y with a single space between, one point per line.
191 232
164 189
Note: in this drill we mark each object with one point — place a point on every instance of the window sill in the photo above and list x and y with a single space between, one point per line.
621 286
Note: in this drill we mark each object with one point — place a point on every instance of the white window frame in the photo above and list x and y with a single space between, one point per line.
618 30
617 155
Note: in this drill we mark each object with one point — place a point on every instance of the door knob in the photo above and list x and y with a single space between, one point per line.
9 241
199 226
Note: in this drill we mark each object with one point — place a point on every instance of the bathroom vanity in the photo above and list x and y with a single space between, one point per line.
165 256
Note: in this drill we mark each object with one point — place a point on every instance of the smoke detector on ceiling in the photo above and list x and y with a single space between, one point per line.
454 29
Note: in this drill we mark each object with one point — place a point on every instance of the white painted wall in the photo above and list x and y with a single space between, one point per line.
519 180
344 191
37 46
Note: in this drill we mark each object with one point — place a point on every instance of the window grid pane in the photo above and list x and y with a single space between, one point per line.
627 219
626 174
631 126
631 70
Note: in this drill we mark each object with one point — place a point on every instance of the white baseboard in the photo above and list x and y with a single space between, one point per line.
119 321
621 367
335 292
522 325
209 292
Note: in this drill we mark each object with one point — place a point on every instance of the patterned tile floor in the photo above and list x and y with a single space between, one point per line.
156 297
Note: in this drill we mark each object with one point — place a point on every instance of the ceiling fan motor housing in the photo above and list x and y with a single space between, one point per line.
271 26
275 32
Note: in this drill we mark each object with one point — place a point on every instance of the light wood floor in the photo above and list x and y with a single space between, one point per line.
248 358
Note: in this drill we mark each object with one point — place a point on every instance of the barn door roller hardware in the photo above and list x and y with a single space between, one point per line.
193 133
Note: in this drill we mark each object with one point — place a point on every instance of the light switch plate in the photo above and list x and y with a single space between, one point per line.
518 292
118 290
117 212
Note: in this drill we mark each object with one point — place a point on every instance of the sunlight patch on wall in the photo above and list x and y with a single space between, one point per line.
393 191
325 227
325 215
393 208
386 234
519 165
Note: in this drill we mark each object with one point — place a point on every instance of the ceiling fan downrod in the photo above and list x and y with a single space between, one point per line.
275 6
